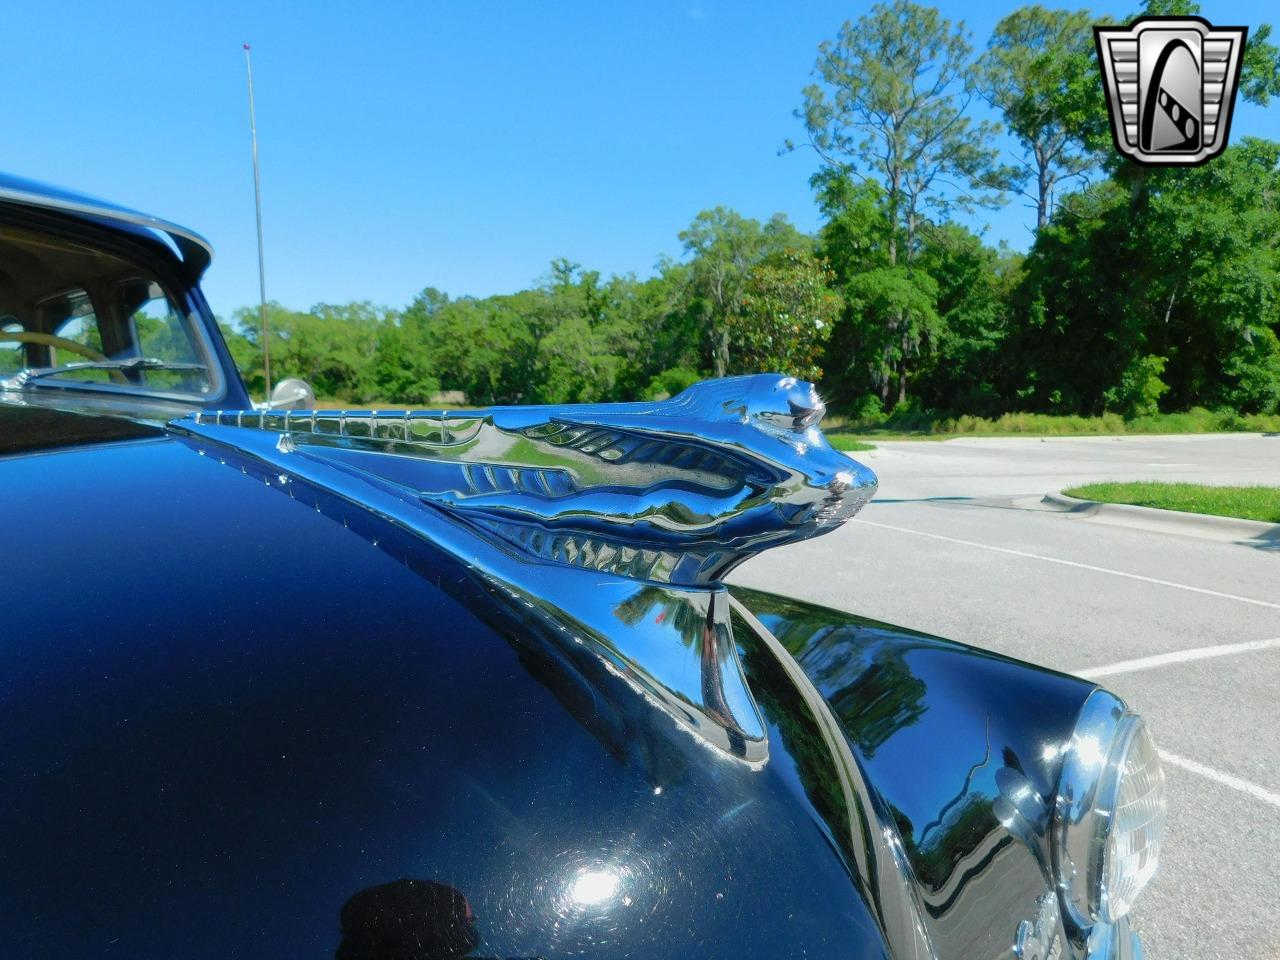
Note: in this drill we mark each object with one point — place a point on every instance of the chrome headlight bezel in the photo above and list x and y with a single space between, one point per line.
1089 788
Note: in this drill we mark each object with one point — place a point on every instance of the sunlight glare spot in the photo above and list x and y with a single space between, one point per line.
593 887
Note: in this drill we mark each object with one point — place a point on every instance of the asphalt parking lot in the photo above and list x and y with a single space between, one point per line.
1184 625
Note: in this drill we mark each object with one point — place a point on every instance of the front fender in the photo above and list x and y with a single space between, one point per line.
963 748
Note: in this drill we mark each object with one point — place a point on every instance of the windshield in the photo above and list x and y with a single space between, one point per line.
75 317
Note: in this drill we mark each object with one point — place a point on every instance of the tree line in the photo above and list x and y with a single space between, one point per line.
1145 289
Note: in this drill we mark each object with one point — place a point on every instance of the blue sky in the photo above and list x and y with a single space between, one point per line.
461 146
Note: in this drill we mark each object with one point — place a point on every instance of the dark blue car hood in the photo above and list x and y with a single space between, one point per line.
228 715
240 724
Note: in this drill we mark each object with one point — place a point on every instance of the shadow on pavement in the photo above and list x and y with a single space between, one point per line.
1268 542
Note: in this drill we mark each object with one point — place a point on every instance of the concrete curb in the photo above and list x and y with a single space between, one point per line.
1172 521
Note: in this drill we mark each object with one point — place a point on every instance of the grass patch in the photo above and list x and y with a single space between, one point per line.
922 426
842 441
1246 503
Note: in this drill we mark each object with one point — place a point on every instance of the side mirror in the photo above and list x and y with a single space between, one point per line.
292 394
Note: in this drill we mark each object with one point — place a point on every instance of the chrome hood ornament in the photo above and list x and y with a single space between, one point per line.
600 527
678 491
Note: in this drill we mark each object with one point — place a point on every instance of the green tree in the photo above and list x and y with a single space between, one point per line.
1037 62
1140 388
1079 317
352 352
483 348
786 314
1176 285
891 106
964 372
724 246
1211 277
400 370
667 345
855 230
584 344
245 354
954 294
426 305
575 337
907 295
329 346
854 241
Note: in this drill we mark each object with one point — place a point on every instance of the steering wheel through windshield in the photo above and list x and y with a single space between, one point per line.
61 343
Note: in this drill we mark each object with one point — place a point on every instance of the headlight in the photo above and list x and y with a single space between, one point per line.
1110 812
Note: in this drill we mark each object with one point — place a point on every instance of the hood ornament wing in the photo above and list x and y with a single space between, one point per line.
678 491
602 527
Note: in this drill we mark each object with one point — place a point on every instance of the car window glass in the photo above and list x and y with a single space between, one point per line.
71 317
12 358
77 308
159 331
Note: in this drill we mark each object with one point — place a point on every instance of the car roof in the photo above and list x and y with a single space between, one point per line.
193 252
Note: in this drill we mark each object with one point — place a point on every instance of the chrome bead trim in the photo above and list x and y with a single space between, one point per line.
678 491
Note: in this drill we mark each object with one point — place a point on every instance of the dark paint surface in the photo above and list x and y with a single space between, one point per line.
232 725
225 715
36 428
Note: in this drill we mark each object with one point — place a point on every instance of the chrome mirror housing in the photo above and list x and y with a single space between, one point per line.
291 394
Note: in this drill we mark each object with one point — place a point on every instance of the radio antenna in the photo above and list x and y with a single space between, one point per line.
257 207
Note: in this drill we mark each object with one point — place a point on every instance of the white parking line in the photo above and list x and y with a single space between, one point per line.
1073 563
1226 779
1176 656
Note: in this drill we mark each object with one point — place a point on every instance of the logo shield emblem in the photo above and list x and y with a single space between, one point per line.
1170 84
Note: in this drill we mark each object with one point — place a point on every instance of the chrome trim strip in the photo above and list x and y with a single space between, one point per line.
678 492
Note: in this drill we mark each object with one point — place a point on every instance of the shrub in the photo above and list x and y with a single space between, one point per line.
1140 389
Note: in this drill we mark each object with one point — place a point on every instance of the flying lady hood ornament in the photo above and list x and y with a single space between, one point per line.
608 526
678 491
1170 85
